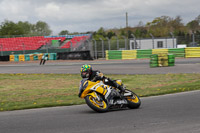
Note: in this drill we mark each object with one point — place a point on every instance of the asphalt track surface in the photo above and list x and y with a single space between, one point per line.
175 113
191 65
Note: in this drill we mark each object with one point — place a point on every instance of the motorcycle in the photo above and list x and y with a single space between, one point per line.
101 97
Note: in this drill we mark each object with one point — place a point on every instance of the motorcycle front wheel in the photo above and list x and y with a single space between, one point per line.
133 101
95 104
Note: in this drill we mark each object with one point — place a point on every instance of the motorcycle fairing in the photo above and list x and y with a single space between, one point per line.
92 86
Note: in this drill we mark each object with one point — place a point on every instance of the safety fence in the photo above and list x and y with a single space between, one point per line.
188 52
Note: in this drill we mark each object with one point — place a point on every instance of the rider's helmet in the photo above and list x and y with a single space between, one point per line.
86 70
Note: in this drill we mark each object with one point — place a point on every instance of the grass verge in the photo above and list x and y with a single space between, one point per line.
24 91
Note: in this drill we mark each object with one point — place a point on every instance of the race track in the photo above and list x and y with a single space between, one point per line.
105 66
175 113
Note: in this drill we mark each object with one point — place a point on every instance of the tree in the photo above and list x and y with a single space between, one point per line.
9 28
102 32
110 34
64 32
26 27
193 25
41 29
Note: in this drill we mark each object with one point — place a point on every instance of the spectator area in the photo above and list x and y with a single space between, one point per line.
26 43
35 43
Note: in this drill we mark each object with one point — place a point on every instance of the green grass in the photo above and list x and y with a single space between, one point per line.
24 91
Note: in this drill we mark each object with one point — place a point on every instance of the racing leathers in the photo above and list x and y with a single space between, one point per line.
96 75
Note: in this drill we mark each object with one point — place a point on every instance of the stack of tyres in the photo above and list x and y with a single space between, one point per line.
154 60
162 60
171 60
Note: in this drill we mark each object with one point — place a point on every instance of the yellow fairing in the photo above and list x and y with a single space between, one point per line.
119 82
94 86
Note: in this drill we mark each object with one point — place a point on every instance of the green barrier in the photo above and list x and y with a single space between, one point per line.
154 60
171 60
144 53
178 52
114 54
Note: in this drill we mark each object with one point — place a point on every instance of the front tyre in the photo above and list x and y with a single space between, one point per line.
133 101
98 106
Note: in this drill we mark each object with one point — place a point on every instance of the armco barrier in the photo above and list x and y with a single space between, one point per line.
178 52
189 52
159 51
129 54
144 53
192 52
113 54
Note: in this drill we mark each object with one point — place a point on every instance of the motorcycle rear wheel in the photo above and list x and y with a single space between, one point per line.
98 106
133 101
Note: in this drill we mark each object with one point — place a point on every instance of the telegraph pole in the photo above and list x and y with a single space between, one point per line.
126 20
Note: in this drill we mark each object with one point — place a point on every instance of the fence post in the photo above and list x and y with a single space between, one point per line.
108 43
95 48
102 47
125 42
134 41
172 38
193 39
152 40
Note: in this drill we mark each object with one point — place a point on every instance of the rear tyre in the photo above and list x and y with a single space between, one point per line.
133 101
98 106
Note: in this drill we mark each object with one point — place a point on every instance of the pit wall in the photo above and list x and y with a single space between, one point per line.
189 52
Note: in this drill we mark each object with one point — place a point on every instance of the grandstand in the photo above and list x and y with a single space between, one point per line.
39 42
75 42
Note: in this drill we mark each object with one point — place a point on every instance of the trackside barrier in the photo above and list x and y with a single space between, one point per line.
189 52
129 54
32 57
21 58
12 58
162 60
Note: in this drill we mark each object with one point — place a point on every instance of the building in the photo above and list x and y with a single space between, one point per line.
155 43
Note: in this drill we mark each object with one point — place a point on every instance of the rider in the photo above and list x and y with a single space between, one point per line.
95 75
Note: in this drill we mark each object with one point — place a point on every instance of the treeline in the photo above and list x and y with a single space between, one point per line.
9 29
163 26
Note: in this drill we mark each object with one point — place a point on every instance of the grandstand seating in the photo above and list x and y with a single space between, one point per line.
35 43
26 43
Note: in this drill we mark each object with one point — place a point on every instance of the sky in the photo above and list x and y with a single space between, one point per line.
90 15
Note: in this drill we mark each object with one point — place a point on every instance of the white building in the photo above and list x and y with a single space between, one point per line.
153 43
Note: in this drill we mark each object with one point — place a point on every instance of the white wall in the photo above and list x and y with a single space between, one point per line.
148 43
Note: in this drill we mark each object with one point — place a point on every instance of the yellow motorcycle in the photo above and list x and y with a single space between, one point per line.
101 97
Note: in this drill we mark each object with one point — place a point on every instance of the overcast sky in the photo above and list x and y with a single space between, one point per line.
90 15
